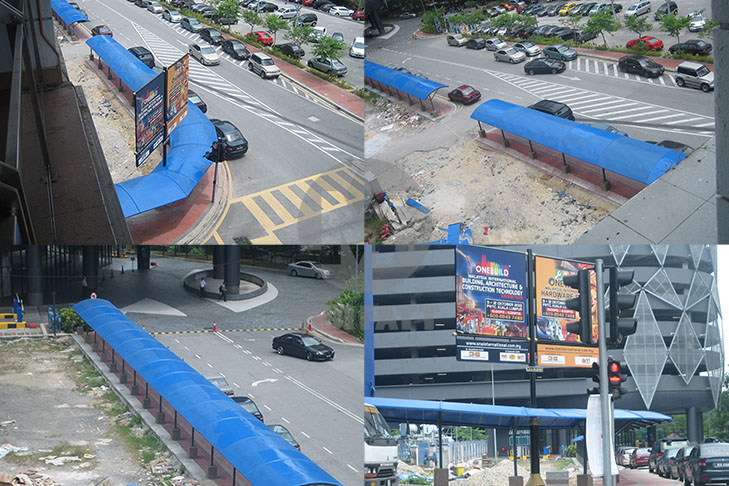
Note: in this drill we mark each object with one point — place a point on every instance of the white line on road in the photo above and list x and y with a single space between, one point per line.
209 365
305 434
187 349
353 469
284 419
330 452
257 358
251 396
266 407
352 415
224 338
238 346
198 356
267 363
236 385
246 351
177 341
221 374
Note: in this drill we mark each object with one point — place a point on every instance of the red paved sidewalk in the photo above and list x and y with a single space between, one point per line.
321 324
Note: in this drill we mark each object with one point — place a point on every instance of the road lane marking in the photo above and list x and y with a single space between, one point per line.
257 358
177 341
353 469
224 338
284 419
238 346
352 415
209 365
330 452
305 434
266 407
221 374
187 349
236 385
198 356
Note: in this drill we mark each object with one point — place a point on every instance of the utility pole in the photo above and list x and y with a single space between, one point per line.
605 415
535 478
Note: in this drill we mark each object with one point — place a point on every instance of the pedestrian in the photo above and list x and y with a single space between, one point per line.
84 288
202 286
223 292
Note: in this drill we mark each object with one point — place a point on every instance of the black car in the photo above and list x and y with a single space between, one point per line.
664 9
234 143
249 406
223 20
212 36
196 100
554 108
708 463
303 346
693 46
564 33
545 30
477 43
267 7
583 35
143 55
527 32
666 461
291 50
142 3
544 66
236 49
641 65
284 432
680 147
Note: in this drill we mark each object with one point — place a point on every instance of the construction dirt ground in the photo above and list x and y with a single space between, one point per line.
500 198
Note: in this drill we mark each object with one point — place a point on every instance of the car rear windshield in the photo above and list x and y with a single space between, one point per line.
207 50
467 91
714 450
643 451
702 71
671 452
233 136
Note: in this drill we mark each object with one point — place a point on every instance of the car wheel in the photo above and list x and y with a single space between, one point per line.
250 67
530 72
280 350
680 82
309 356
294 273
705 88
511 61
313 24
262 74
317 275
554 71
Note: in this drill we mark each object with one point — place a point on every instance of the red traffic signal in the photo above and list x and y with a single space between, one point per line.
616 376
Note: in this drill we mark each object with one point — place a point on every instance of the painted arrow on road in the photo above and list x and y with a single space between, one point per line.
573 78
271 380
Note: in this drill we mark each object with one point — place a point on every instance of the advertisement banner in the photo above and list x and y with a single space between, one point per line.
552 314
491 292
177 77
149 118
568 356
476 348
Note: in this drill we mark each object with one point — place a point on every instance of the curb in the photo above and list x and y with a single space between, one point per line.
327 100
331 337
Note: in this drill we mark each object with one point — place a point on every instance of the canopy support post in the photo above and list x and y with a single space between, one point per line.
431 102
481 131
410 100
513 441
604 183
531 150
504 141
565 168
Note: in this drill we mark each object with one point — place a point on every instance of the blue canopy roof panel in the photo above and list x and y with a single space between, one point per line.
68 14
489 416
131 70
413 85
259 454
628 157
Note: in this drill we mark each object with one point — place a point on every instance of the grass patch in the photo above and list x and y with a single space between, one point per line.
143 444
373 226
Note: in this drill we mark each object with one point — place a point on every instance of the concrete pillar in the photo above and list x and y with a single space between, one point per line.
91 267
232 269
516 481
584 480
441 477
692 424
720 34
34 256
700 416
142 257
219 261
651 436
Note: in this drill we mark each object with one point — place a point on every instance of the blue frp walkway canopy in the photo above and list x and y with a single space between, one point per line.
68 14
258 453
498 416
413 85
186 162
628 157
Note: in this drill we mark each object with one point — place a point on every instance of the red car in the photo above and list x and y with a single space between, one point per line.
649 42
102 30
307 3
465 94
640 457
507 6
358 15
263 37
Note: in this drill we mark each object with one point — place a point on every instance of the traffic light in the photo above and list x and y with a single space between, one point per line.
583 327
617 374
217 153
595 378
620 327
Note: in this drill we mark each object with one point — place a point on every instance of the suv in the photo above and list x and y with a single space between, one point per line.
695 75
662 10
263 65
660 448
554 108
306 19
639 8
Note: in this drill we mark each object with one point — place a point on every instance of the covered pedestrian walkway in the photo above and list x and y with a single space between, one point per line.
397 83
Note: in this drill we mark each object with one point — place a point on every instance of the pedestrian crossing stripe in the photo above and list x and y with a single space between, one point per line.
203 331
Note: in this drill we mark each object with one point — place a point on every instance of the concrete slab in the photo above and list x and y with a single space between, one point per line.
612 231
151 306
697 173
693 230
244 305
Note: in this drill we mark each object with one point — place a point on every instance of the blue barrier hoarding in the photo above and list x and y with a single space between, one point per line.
477 348
149 118
491 292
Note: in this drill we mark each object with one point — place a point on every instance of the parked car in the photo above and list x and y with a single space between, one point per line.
221 383
340 11
659 448
236 49
263 65
640 65
640 457
646 42
196 100
303 346
286 12
698 22
223 20
694 75
327 65
693 46
544 66
306 19
192 24
528 48
262 37
284 432
567 8
317 34
308 269
678 467
554 108
338 36
249 406
102 30
509 55
639 8
476 43
234 143
155 7
663 10
267 7
546 29
583 35
358 15
172 16
456 40
205 54
560 52
624 456
663 465
681 147
708 463
212 36
495 44
291 50
565 33
358 48
141 3
465 94
143 54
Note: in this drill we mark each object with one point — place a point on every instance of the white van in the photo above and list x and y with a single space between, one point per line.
358 48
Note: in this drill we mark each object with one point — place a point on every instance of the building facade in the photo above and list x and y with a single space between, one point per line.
675 358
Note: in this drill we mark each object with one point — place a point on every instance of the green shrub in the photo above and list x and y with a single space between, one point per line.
70 320
346 311
571 450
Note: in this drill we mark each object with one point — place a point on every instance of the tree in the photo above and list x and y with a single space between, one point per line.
716 423
506 20
329 48
274 23
474 17
600 23
672 25
462 434
227 9
251 18
300 34
527 21
428 23
637 24
571 21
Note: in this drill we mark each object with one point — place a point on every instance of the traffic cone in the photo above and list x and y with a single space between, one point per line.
215 328
308 331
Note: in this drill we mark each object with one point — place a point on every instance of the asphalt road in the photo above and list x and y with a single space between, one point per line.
300 181
319 402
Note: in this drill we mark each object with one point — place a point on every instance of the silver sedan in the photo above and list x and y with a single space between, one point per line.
509 55
528 48
308 269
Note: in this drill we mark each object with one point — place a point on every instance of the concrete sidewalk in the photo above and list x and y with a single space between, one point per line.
320 324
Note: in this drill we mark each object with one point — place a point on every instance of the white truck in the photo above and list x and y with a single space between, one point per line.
380 450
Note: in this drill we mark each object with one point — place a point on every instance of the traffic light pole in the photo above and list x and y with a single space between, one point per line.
535 478
607 477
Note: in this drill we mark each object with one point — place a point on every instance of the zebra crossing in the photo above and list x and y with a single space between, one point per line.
612 109
607 68
208 79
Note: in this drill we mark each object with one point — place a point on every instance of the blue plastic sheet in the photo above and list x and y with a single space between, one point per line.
413 85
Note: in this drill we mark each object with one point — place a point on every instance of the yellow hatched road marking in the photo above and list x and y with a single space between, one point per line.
297 201
315 196
258 213
281 211
357 193
341 198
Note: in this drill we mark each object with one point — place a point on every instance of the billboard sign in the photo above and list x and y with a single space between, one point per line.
491 292
567 356
149 118
477 348
177 77
552 293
